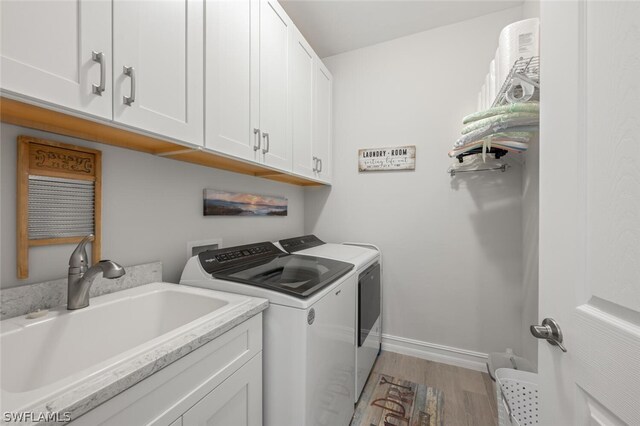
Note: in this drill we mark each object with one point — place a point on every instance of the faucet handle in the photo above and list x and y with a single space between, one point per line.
79 257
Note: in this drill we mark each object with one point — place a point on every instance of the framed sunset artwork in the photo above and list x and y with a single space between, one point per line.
222 203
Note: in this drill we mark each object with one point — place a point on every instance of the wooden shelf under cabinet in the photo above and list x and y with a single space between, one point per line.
36 117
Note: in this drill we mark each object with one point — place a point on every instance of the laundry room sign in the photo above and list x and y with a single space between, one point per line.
394 158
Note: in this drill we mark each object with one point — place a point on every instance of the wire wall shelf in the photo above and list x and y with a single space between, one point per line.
524 74
522 84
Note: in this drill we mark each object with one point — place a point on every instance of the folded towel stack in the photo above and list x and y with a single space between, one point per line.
506 128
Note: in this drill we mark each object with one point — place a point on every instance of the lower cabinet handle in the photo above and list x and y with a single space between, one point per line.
320 165
267 144
315 164
256 132
98 57
130 72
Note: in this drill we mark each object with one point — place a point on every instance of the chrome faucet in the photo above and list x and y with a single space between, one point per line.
81 277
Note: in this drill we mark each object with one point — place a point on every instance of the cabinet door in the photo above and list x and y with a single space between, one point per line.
237 401
232 77
323 126
275 33
47 48
158 67
302 70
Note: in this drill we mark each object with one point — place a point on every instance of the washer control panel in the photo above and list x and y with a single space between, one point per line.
216 260
291 245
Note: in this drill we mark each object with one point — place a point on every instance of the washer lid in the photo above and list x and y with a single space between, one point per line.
356 255
299 276
264 265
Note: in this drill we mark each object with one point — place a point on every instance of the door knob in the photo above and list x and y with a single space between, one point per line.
550 331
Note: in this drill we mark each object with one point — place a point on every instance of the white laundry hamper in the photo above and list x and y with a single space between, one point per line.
517 397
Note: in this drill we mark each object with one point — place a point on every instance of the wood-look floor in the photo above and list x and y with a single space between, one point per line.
469 396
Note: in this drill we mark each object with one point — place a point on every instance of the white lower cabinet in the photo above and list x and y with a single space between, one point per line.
219 383
237 401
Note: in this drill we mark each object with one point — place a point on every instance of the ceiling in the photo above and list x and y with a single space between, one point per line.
336 26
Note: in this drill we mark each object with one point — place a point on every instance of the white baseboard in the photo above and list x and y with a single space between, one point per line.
434 352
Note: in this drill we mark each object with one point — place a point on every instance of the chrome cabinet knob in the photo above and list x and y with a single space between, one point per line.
550 331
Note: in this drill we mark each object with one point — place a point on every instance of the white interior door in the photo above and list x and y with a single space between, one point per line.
275 33
302 69
232 77
161 46
47 53
323 121
590 212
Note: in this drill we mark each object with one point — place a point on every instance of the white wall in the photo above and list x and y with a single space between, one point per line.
151 207
452 247
530 227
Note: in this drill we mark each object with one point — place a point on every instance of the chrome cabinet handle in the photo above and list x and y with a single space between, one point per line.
320 165
550 331
315 164
256 132
98 57
130 72
267 144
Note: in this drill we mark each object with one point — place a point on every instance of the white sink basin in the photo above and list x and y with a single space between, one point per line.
43 356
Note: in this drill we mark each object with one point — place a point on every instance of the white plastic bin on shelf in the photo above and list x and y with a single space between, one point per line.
517 396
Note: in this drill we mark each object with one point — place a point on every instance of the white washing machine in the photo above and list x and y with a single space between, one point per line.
368 308
308 367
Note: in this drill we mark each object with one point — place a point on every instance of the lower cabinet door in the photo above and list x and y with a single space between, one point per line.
237 401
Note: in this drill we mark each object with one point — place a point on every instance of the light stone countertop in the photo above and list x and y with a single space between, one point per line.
21 300
109 382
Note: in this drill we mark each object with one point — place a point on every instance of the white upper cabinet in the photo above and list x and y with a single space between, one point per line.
275 114
232 43
323 126
248 111
47 52
235 76
302 88
158 67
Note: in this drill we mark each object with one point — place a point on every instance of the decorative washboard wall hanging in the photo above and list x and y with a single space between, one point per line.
59 196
